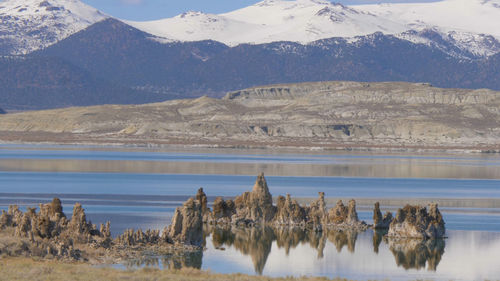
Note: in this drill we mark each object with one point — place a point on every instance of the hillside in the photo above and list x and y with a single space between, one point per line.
59 53
323 114
135 60
41 82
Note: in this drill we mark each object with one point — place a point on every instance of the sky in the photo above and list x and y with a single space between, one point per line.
141 10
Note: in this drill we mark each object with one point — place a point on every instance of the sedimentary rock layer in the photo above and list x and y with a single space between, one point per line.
322 114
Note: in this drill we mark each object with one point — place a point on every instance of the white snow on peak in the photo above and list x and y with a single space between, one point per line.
473 25
29 25
270 21
472 16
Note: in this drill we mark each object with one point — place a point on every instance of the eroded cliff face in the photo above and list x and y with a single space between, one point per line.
322 114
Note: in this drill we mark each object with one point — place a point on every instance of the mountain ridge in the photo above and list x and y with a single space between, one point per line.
110 57
306 21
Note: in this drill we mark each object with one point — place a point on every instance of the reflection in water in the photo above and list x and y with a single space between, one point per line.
343 238
257 243
390 166
417 253
174 261
377 238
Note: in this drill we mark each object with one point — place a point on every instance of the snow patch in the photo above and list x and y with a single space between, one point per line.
29 25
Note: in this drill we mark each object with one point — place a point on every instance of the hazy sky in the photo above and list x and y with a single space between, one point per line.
157 9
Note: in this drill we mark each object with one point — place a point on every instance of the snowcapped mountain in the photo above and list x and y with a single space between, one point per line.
28 25
471 25
301 21
474 16
463 28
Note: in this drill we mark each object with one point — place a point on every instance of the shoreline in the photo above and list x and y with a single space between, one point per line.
34 269
65 139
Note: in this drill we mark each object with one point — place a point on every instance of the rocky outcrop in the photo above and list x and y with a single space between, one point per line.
289 212
316 213
132 238
187 224
379 221
48 233
343 217
338 214
255 206
223 211
324 114
416 222
202 198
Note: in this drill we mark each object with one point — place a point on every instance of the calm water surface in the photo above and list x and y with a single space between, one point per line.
134 188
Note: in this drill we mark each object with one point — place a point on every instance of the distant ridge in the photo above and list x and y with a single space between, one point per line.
329 115
469 25
60 53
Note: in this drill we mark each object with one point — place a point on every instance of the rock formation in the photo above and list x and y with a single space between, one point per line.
255 206
187 224
380 222
289 212
294 115
316 212
415 222
202 198
223 211
338 214
343 217
132 238
49 233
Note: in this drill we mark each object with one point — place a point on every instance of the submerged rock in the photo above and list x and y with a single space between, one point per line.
380 222
416 222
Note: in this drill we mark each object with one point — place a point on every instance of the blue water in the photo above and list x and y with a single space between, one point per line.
230 185
144 201
232 156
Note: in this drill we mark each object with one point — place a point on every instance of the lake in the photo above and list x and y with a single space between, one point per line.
140 188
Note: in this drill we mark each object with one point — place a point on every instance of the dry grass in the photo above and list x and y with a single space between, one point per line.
29 269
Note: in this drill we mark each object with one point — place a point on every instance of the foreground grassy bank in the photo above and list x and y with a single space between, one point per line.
29 269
